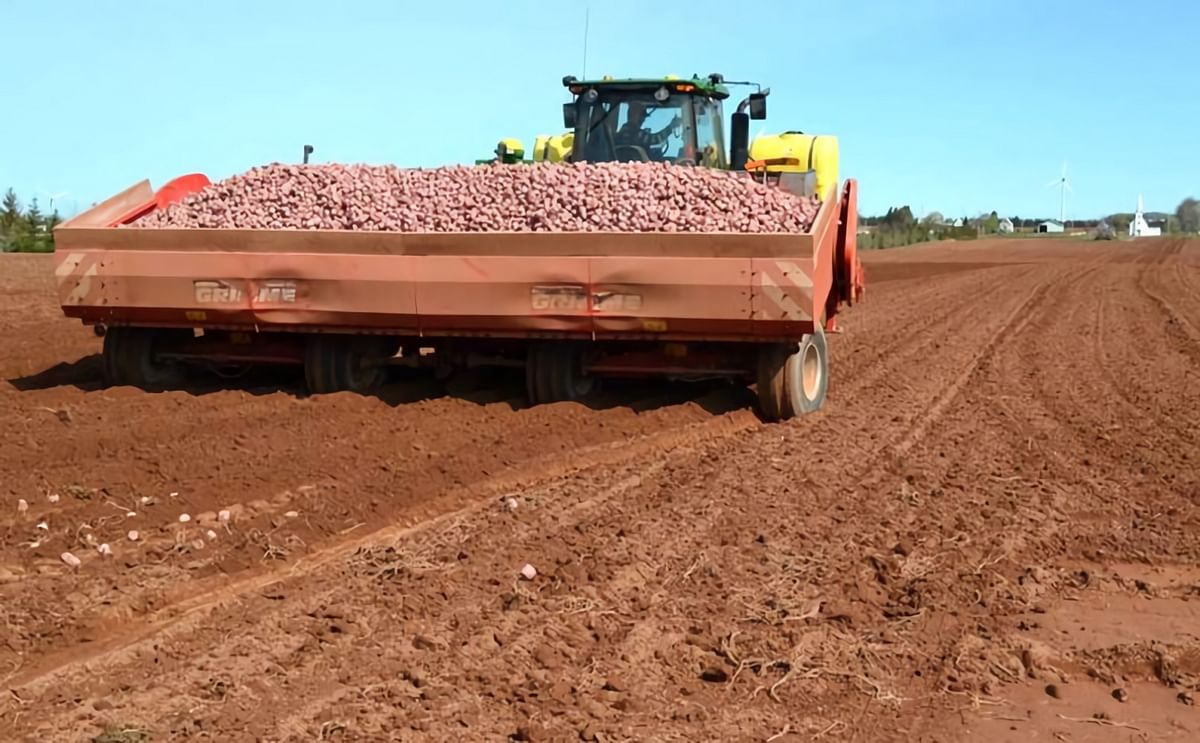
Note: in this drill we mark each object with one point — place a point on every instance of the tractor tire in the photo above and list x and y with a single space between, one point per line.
554 373
345 363
130 357
793 380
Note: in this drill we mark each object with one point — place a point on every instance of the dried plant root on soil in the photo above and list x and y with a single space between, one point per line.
577 197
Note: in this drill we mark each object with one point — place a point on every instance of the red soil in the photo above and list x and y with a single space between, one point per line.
1000 496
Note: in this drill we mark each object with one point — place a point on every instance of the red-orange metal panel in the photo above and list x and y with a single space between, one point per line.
789 292
512 292
281 289
655 295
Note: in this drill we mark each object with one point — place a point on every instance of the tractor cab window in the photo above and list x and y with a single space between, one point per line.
710 141
634 127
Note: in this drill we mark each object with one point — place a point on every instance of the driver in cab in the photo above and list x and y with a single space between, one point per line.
632 134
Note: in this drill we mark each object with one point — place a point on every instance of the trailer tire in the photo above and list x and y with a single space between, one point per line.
554 373
345 363
793 380
130 358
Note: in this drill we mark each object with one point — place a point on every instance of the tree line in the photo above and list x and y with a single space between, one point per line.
25 229
899 226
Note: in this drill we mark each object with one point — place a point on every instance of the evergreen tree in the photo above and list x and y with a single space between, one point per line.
10 212
33 216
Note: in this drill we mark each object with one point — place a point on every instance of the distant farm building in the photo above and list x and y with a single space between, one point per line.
1050 225
1005 227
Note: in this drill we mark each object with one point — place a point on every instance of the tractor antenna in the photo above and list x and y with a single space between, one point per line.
587 13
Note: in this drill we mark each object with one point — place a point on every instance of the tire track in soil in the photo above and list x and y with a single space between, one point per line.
975 409
629 474
918 323
1087 454
703 522
447 506
1013 323
1038 504
1104 454
1117 375
19 591
1183 333
557 510
1031 527
887 457
534 424
934 327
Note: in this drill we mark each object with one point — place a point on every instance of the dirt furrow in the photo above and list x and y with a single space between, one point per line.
1183 334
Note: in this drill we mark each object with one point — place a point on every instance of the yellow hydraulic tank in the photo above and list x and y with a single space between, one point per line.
553 149
513 148
817 152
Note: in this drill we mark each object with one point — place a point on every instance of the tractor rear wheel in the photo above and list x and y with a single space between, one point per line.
793 380
554 373
131 357
346 363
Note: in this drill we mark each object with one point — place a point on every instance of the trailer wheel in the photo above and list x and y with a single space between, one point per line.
345 363
793 380
131 358
554 373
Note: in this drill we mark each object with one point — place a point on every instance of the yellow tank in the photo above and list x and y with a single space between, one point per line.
818 152
553 149
513 147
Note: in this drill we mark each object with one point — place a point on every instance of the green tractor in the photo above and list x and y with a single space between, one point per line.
681 122
659 120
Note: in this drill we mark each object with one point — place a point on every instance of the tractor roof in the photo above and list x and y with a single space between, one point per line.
711 85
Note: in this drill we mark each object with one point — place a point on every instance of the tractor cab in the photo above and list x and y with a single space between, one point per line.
657 120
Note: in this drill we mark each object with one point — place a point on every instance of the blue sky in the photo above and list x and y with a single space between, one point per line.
961 107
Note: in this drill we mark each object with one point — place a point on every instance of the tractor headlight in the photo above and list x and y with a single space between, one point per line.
662 94
591 95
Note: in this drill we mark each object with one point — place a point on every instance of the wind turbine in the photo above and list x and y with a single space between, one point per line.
1064 186
59 197
53 196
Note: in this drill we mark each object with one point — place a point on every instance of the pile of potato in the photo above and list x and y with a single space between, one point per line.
542 197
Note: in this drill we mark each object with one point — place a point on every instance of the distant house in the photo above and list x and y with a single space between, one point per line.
1005 227
1050 225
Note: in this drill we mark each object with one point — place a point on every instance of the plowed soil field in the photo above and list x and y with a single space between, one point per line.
991 532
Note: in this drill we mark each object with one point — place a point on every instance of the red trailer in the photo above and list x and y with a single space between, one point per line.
568 307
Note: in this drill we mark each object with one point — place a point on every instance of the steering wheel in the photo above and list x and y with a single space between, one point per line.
637 152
